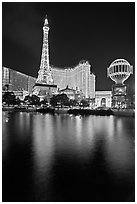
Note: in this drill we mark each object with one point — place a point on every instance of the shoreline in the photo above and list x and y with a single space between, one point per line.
125 112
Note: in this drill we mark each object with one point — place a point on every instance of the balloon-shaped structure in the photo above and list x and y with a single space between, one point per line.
119 71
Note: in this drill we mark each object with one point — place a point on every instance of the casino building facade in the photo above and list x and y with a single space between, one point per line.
78 78
17 82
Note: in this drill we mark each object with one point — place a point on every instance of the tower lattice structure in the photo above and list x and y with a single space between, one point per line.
44 74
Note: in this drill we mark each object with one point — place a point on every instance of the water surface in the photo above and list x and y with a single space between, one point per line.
67 158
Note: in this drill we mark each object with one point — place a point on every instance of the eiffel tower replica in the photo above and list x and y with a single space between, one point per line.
44 86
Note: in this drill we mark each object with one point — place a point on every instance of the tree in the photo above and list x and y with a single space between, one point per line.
61 99
9 98
35 100
44 101
53 101
27 99
5 87
18 101
73 102
32 100
84 103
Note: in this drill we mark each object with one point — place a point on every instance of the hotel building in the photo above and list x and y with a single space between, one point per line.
78 78
17 82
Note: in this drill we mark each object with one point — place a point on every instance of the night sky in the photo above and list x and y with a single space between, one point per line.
97 32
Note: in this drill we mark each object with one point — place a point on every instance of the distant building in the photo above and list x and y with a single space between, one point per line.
103 99
77 78
17 82
71 93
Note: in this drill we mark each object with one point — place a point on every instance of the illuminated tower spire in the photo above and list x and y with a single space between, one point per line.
44 74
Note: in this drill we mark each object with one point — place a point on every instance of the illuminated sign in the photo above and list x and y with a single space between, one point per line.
119 90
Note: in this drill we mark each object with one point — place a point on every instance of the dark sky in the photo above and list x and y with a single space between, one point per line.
97 32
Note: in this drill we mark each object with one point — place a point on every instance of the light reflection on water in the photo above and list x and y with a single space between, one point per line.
94 153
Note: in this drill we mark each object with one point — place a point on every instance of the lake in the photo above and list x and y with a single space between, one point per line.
65 158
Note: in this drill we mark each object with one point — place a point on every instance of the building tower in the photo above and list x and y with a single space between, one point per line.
44 74
119 71
44 82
